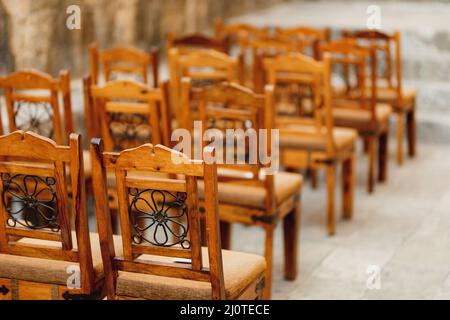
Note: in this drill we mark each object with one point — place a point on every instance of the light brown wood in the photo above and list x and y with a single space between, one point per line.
183 176
50 186
123 59
360 96
126 113
313 130
203 66
233 105
388 47
28 90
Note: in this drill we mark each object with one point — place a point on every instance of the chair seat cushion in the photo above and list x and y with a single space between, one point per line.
240 193
299 137
388 95
48 271
240 270
360 119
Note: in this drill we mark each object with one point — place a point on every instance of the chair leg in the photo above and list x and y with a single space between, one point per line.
371 169
400 129
269 258
383 156
365 146
411 127
313 176
331 218
291 225
348 186
225 234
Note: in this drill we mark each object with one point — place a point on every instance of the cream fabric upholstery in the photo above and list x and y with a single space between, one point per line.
238 193
240 270
344 138
360 119
49 271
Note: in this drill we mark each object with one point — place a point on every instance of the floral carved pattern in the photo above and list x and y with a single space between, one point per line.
34 116
30 201
159 218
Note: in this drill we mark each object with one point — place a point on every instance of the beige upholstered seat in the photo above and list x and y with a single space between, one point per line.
344 139
238 193
360 119
240 271
387 95
48 271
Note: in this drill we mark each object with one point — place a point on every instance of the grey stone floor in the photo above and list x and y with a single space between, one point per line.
403 228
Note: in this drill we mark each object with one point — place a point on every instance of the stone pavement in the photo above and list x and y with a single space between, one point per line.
402 228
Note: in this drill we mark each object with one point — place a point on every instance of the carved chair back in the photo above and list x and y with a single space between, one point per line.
127 114
123 62
311 38
355 65
158 217
33 103
314 78
269 47
228 106
388 54
203 67
34 200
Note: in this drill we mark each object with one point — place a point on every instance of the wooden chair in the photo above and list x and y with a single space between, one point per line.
40 254
126 113
262 48
161 256
389 84
204 67
235 33
311 38
370 118
33 103
195 41
310 140
123 62
246 193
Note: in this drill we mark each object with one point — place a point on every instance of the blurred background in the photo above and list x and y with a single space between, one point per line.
33 34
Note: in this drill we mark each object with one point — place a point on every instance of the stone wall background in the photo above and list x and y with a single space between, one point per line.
33 33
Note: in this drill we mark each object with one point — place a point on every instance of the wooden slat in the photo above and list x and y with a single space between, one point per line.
161 251
155 183
43 252
34 234
163 269
28 168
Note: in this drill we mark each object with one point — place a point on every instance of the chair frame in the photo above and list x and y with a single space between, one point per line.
224 68
310 37
383 42
304 70
49 160
35 80
273 213
147 101
356 55
139 62
158 159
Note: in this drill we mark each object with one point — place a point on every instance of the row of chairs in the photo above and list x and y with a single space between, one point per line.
288 91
